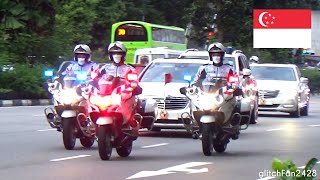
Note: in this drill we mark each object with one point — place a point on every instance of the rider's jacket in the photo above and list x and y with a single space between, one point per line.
208 72
120 71
76 67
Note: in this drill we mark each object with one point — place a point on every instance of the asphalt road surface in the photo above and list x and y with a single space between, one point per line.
30 149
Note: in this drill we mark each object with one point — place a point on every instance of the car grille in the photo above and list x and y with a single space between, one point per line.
268 93
172 103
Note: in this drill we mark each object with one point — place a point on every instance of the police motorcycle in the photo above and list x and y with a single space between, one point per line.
109 109
69 107
250 94
215 105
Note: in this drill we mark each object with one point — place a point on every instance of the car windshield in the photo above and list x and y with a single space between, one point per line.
230 62
156 71
273 73
194 57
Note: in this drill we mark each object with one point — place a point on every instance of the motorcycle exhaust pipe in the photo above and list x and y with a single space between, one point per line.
235 119
138 118
51 117
82 120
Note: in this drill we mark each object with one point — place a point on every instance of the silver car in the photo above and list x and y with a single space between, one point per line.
282 89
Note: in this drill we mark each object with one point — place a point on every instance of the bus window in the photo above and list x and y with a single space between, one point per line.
131 32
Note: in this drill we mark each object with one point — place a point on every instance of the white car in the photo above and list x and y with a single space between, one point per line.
281 88
170 103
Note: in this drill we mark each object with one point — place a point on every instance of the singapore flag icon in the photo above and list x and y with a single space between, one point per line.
281 28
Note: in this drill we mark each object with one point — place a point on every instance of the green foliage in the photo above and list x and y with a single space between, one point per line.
24 81
289 171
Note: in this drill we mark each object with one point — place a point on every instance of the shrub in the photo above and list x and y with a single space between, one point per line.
24 82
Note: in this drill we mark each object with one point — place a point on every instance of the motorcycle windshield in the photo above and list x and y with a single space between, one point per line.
107 85
213 85
69 82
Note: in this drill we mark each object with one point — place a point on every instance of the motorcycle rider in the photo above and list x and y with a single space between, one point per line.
208 72
82 62
117 68
254 60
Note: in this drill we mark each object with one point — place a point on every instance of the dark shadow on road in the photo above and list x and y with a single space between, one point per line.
167 134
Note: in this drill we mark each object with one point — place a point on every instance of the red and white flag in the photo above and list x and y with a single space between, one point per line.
282 28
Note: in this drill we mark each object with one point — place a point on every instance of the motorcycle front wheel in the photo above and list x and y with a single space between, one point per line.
207 139
104 141
69 133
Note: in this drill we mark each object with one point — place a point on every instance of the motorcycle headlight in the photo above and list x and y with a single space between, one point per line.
69 96
209 101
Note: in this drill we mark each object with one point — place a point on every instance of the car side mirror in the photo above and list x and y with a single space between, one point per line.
183 90
137 91
304 80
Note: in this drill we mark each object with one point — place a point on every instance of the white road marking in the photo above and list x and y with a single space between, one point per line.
301 167
266 178
41 130
276 129
187 168
37 115
68 158
315 125
155 145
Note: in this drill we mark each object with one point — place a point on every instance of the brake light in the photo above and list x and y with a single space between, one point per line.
233 78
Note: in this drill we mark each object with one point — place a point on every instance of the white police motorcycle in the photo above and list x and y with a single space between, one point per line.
69 107
216 111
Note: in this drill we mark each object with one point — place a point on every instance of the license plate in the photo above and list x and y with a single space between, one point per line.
162 114
263 101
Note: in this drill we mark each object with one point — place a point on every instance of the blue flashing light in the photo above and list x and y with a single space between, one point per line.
229 50
48 73
187 78
82 76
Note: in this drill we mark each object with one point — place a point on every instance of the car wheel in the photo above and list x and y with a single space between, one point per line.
296 114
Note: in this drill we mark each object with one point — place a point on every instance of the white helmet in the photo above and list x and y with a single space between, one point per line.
254 59
117 52
213 49
82 49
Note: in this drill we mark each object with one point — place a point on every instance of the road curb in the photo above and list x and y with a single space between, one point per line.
25 102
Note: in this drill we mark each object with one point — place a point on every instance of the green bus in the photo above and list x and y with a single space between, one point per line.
138 34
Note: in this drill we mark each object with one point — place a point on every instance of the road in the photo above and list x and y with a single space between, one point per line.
31 150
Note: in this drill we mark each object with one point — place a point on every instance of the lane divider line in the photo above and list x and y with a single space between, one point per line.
155 145
42 130
68 158
275 129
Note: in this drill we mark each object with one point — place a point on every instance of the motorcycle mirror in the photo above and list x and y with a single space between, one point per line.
183 90
167 78
137 91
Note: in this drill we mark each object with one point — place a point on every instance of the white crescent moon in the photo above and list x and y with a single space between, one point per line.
260 19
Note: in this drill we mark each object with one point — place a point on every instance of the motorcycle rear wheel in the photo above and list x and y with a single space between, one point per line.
86 142
69 133
220 148
104 142
207 139
124 151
